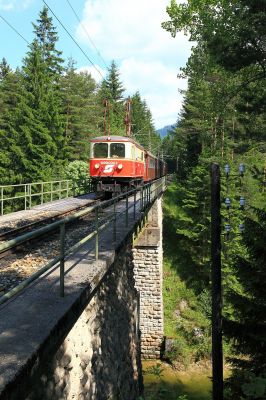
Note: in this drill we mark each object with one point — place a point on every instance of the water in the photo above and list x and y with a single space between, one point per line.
162 382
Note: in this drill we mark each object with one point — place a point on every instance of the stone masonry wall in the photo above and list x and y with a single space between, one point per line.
100 357
147 254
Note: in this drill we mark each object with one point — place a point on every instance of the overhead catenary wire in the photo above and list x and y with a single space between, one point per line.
14 29
69 34
87 34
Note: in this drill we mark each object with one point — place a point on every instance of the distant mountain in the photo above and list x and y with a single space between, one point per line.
163 131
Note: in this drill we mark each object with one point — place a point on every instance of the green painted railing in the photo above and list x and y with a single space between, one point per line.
26 195
143 199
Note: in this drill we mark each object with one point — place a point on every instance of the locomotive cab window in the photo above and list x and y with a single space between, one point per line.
100 150
117 150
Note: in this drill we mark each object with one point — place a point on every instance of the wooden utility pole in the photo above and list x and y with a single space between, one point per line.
217 349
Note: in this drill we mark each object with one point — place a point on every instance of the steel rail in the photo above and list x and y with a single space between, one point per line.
40 231
144 202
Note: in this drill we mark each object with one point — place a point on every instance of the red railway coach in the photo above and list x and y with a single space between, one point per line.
118 163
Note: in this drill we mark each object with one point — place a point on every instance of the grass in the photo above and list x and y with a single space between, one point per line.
175 385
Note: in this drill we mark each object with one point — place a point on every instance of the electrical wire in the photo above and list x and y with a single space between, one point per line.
69 34
83 52
87 34
14 29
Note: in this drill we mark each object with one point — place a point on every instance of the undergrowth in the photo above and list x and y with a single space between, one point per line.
187 306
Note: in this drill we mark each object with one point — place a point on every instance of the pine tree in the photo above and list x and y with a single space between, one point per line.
46 36
143 129
248 324
81 111
35 119
10 96
112 90
41 75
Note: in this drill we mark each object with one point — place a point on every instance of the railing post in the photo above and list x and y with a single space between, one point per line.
67 188
60 188
127 209
62 259
135 194
145 197
42 193
51 189
114 229
97 234
25 197
2 201
29 195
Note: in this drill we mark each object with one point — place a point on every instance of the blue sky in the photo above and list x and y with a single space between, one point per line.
127 31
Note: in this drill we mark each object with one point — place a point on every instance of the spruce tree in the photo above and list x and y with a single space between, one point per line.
112 90
10 97
247 326
143 129
46 36
81 111
41 74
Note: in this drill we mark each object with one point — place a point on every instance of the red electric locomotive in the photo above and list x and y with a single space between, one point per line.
118 163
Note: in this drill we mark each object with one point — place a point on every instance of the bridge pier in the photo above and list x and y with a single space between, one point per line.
147 259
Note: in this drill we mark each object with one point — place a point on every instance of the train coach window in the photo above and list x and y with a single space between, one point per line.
117 150
100 150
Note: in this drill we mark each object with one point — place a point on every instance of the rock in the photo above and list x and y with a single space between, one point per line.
183 305
198 332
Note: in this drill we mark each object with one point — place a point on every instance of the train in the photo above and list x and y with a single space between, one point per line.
119 163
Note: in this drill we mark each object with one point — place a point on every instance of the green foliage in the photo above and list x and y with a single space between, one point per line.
82 114
186 304
223 120
112 89
143 129
77 170
156 370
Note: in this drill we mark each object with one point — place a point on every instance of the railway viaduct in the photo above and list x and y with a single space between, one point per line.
89 344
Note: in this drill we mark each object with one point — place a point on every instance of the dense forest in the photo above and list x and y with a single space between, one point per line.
223 120
49 111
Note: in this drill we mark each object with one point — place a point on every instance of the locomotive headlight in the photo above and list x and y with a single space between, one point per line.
120 166
97 166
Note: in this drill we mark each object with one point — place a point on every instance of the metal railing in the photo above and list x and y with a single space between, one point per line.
147 194
25 195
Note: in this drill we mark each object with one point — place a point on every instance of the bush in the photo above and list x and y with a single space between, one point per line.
78 172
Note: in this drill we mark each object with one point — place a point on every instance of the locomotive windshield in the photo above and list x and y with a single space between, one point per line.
117 150
100 150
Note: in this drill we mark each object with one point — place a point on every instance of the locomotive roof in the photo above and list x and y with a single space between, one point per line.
111 138
116 139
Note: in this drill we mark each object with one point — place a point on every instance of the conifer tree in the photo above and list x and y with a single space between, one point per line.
10 96
41 74
247 326
143 129
46 36
81 111
112 90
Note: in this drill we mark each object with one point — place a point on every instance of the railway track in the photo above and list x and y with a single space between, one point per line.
7 232
18 263
30 254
